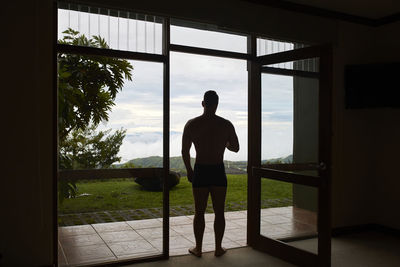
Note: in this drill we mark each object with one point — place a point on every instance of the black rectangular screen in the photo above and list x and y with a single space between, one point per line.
372 86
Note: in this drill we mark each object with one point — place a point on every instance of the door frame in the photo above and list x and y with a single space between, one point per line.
254 129
256 172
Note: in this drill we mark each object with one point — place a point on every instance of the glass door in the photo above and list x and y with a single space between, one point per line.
289 154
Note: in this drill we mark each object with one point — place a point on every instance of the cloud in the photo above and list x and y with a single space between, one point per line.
147 138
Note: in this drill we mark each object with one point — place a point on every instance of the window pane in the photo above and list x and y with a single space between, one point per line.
97 131
308 65
277 118
121 30
208 39
290 126
289 213
270 46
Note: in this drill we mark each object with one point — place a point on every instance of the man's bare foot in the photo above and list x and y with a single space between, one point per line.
219 252
195 251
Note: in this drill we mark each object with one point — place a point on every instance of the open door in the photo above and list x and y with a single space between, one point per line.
307 172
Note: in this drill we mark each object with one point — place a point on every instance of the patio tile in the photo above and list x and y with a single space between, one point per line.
120 236
235 215
208 248
209 227
81 240
244 211
148 223
208 237
175 242
138 246
186 229
62 260
154 233
305 216
239 222
280 235
180 220
241 243
282 210
265 224
157 243
209 217
272 231
298 227
276 219
139 255
236 234
267 212
178 251
83 245
86 254
229 244
111 227
225 243
75 230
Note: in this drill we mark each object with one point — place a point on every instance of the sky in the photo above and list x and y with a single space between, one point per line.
139 108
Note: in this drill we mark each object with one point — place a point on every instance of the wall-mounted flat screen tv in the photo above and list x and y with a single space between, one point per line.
372 86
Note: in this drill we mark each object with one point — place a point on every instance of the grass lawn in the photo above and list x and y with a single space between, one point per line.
121 194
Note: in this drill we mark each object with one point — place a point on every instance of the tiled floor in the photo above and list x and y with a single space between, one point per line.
102 242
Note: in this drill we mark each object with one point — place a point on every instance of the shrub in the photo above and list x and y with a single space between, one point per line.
156 183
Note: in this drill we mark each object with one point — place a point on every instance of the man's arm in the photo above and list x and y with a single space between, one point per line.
233 142
186 144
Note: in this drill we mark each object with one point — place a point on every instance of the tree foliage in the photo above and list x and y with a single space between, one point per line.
91 149
87 84
87 87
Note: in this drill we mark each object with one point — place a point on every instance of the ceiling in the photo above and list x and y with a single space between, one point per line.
372 9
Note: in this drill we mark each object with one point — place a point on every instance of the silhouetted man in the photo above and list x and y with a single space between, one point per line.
210 135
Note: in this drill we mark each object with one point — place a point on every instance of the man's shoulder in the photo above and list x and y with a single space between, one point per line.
192 121
224 121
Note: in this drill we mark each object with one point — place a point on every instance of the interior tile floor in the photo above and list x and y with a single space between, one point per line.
367 249
104 242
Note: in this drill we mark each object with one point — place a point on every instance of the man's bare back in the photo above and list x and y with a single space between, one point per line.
210 135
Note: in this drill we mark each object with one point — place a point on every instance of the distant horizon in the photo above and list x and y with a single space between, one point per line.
120 163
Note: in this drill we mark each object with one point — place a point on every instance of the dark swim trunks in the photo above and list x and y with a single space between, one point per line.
206 175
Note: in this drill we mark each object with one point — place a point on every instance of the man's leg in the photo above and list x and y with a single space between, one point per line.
218 194
200 195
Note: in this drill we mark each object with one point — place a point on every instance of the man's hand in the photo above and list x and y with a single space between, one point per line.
233 143
186 144
190 175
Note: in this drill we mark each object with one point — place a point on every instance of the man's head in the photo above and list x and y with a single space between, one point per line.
210 101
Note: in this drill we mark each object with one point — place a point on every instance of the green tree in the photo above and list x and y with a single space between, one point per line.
91 149
87 87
